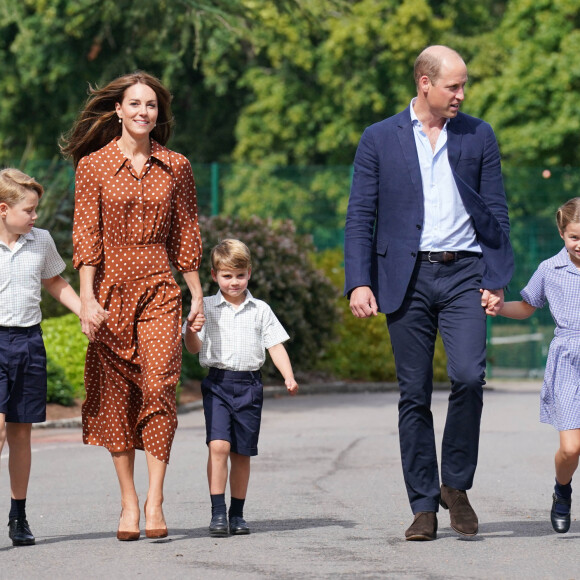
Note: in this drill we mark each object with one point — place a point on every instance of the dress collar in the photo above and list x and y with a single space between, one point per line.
116 159
562 260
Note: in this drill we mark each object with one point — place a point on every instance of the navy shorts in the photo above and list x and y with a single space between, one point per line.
22 374
232 404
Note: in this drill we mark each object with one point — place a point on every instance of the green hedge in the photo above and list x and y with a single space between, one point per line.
362 347
65 346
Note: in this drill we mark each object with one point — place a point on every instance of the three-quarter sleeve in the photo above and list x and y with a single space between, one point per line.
184 246
87 227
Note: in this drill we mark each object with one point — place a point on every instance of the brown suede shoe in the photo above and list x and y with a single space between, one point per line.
463 518
423 528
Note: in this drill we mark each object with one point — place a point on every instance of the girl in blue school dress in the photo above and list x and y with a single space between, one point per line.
557 281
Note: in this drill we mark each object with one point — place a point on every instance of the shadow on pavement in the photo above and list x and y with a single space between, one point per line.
176 534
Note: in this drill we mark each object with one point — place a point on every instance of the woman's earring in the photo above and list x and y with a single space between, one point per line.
120 120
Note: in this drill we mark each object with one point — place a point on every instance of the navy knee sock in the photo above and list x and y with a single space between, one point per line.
236 508
17 508
564 492
218 504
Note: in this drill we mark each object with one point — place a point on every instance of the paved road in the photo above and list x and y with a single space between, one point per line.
326 501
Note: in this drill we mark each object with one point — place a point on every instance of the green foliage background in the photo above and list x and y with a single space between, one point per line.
65 347
361 348
281 90
288 82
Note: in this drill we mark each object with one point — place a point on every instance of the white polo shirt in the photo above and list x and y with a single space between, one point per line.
236 339
33 258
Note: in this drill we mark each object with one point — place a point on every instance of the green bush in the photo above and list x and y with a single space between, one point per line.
283 275
362 347
65 346
59 390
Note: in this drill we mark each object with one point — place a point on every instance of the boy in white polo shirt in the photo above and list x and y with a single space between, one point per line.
232 343
28 259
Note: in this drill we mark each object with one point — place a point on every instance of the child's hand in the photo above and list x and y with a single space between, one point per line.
197 323
292 386
92 316
492 301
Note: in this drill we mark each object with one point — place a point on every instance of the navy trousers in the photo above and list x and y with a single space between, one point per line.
444 297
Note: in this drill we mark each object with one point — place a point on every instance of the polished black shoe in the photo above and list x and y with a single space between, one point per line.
19 532
560 523
218 525
238 526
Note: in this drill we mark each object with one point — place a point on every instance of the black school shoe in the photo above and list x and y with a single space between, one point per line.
560 523
238 526
19 532
218 526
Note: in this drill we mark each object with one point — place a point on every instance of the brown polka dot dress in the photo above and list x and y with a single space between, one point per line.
131 227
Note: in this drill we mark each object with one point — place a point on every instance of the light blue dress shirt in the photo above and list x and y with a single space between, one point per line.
447 226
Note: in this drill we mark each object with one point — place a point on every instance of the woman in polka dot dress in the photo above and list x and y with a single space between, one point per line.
135 213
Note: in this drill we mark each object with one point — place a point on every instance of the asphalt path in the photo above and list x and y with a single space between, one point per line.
326 500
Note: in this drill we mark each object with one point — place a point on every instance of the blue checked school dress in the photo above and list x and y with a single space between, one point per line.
557 281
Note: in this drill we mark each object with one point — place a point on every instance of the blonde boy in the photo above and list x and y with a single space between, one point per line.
28 260
237 332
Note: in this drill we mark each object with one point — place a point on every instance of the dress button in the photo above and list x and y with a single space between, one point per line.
414 254
418 226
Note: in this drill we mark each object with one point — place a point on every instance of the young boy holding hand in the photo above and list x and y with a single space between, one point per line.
232 343
28 260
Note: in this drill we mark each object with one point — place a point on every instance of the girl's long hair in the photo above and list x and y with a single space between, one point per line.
98 123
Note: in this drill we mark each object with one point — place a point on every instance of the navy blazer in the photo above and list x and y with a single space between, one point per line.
386 210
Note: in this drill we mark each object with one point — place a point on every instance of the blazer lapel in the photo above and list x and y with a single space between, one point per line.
409 149
454 137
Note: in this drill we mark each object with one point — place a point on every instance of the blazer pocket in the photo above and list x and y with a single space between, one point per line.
381 247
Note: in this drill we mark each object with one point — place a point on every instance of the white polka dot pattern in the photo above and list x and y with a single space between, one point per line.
130 227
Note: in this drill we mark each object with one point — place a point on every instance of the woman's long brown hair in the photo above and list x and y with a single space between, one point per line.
98 123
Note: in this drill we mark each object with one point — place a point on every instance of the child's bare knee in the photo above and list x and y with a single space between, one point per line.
570 451
219 447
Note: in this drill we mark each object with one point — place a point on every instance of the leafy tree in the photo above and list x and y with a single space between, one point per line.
286 81
527 82
51 49
310 98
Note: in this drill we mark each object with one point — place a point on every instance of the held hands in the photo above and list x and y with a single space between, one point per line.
363 303
492 301
92 315
197 323
195 312
292 386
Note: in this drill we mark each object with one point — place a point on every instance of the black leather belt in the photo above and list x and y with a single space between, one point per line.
437 257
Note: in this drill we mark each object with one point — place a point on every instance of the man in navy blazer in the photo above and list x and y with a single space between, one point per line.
427 243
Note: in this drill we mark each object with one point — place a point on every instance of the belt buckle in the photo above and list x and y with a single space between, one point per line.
445 257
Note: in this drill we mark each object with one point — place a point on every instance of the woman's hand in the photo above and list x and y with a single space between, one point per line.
92 316
196 311
194 285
